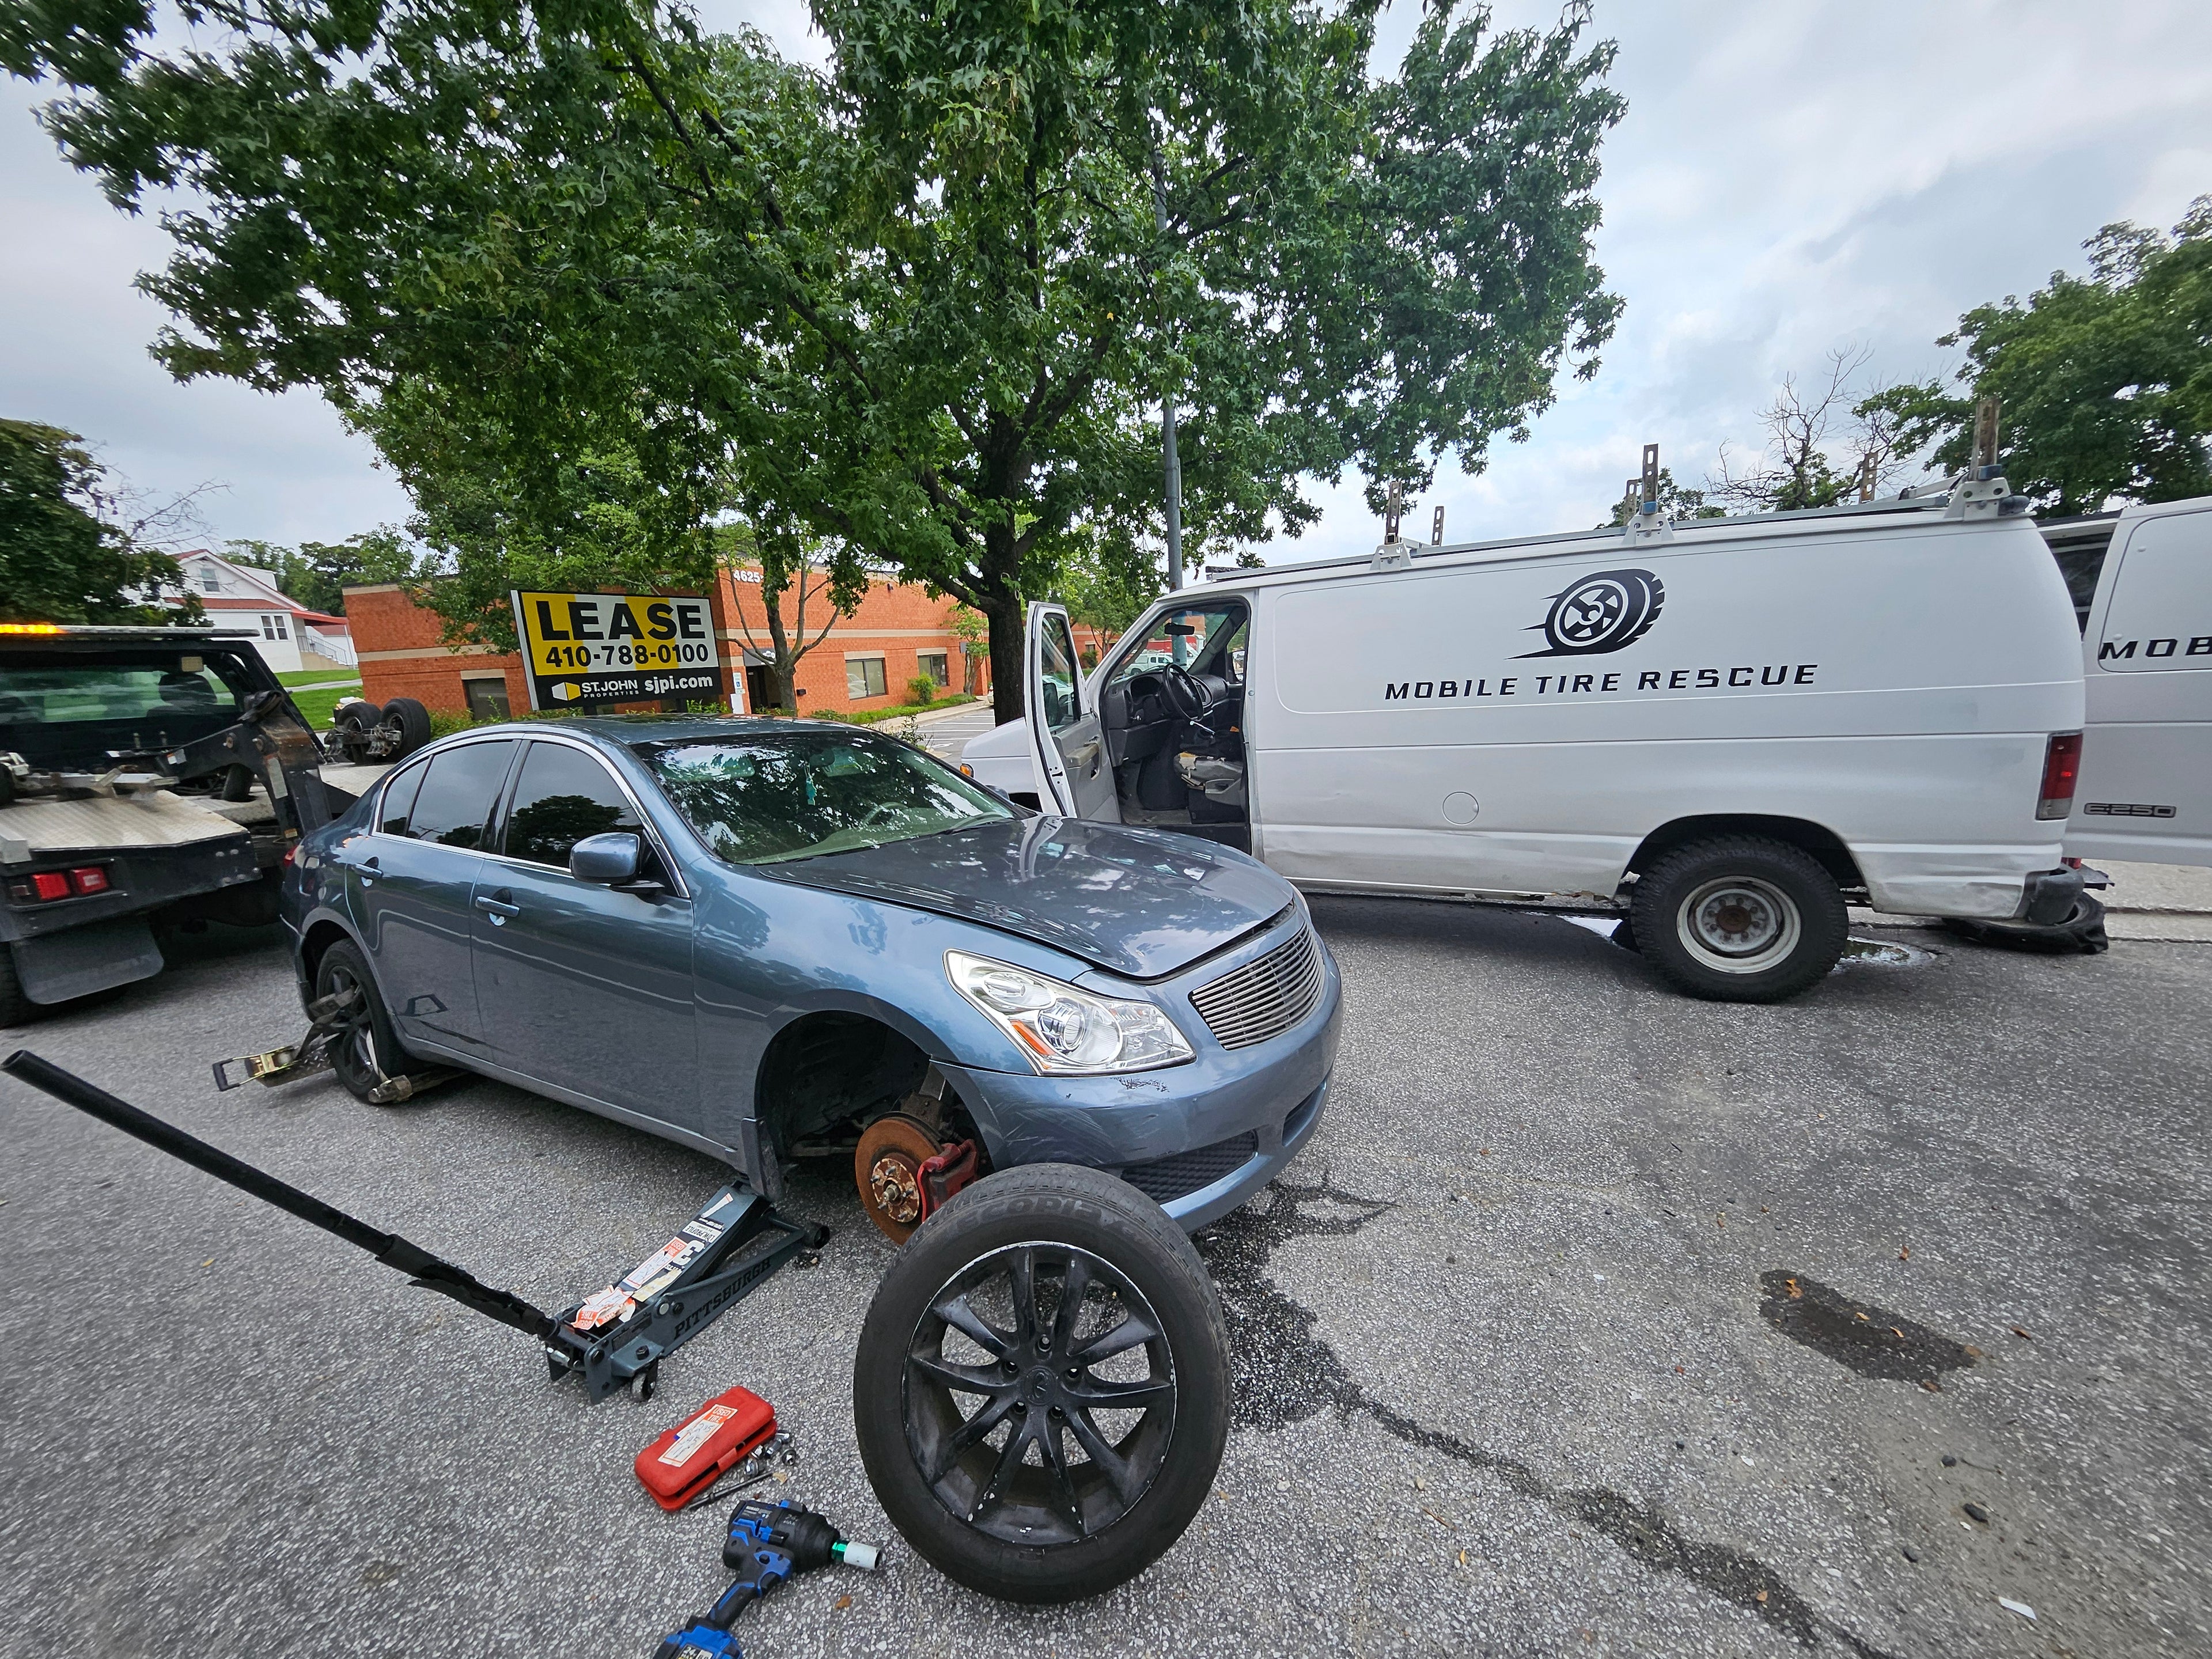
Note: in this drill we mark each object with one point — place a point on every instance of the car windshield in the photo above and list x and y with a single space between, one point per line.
769 799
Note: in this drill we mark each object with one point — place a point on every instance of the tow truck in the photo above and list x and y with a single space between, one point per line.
149 776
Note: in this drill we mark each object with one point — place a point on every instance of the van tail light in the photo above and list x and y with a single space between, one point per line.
2062 764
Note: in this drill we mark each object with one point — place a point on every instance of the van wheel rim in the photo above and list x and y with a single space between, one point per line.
1039 1395
1739 925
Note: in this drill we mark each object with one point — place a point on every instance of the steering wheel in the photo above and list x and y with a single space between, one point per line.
1185 697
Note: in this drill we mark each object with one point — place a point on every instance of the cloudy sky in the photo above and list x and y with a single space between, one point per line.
1789 178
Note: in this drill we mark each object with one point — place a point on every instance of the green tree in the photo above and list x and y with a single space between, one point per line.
2104 382
1107 594
318 573
924 305
789 568
62 557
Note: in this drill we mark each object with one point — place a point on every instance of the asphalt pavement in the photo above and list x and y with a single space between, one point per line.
1550 1343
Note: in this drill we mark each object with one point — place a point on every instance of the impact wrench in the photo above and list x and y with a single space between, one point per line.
768 1543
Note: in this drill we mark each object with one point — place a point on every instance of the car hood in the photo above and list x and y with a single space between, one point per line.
1139 903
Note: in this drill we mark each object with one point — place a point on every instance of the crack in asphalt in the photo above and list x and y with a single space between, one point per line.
1282 1372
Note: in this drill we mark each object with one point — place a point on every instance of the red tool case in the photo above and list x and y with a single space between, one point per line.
695 1454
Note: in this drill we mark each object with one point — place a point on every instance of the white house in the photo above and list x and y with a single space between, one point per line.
293 637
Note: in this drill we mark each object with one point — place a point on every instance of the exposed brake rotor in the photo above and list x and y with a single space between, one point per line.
887 1168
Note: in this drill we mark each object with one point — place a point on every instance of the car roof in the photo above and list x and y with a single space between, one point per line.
637 731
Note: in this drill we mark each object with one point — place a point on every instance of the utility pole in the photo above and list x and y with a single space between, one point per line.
1171 462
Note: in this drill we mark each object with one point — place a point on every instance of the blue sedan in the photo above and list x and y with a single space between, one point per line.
770 940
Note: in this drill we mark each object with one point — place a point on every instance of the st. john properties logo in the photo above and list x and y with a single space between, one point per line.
1601 613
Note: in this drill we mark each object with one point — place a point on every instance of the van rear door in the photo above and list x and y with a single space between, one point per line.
2145 785
1064 731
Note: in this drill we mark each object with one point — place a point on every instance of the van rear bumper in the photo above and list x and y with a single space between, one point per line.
1984 883
2050 898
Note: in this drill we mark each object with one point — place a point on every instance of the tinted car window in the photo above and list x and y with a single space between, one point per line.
398 798
562 796
457 793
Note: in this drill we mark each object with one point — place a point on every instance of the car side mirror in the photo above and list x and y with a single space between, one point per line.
605 860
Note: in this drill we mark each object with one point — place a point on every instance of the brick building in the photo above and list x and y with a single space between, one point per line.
864 661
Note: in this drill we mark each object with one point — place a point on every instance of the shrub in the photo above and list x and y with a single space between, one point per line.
920 689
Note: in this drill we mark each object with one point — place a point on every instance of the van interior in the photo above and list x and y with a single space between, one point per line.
1171 711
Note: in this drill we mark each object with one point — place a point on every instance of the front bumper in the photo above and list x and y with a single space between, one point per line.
1201 1138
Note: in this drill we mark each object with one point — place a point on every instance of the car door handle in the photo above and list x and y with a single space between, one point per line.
367 865
497 908
1087 756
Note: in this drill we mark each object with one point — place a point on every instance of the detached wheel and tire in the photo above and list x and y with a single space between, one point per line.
365 1051
409 722
1739 919
1042 1387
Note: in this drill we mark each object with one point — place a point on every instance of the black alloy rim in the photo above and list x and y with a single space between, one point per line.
354 1043
1015 1430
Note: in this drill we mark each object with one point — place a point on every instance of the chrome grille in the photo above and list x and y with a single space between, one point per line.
1265 998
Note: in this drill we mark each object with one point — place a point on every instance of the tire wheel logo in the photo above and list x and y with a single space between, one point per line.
1600 613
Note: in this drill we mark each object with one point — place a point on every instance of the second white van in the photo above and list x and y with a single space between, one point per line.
1721 731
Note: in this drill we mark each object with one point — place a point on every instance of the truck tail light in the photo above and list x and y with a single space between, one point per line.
43 886
2062 764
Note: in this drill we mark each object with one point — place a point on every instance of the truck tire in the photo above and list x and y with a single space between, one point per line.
411 722
1075 1496
1739 919
366 1052
15 1008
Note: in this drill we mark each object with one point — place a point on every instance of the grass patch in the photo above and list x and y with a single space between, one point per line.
318 705
314 676
870 716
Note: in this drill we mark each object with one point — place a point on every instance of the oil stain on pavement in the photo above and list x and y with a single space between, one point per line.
1283 1373
1873 1342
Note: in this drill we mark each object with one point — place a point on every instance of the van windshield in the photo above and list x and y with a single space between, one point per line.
770 799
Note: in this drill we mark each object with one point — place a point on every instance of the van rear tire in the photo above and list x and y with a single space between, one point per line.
1739 919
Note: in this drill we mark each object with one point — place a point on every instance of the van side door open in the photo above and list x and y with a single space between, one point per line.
2145 785
1064 730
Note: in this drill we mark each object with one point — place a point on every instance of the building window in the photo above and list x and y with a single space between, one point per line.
935 666
283 632
864 678
487 698
269 627
210 579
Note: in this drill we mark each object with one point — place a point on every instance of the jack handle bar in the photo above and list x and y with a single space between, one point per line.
429 1272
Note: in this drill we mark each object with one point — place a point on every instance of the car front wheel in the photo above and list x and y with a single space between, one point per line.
365 1051
1740 918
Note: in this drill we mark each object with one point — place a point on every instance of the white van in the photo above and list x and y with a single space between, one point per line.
1725 729
2142 582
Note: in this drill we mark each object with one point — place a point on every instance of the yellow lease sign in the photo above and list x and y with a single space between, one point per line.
585 648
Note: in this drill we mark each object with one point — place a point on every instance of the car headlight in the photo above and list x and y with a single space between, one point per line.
1061 1028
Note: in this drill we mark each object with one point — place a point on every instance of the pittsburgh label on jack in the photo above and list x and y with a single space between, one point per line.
582 649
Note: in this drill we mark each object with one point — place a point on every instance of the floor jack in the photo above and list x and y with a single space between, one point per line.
614 1339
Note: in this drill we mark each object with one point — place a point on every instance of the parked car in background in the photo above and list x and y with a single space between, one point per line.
770 939
1721 731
